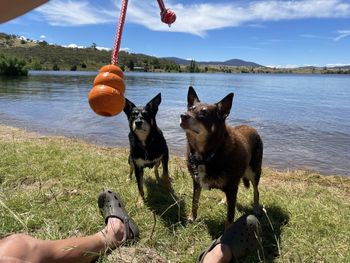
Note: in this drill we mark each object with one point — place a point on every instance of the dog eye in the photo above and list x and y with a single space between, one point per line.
203 113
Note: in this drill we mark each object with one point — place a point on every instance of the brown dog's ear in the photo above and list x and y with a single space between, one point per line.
192 97
152 105
128 107
224 106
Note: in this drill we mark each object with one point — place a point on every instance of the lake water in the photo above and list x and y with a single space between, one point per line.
304 120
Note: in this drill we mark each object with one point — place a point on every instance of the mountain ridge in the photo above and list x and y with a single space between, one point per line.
231 62
40 55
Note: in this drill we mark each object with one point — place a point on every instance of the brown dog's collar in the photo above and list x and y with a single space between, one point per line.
199 161
195 162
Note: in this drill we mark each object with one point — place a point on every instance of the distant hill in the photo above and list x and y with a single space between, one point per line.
40 55
241 63
231 62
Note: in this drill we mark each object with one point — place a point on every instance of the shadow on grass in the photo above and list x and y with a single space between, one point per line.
271 235
215 227
162 200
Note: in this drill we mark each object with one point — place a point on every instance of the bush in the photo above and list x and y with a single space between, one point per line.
12 66
55 67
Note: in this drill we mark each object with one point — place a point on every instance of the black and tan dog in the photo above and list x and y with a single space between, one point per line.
219 155
148 147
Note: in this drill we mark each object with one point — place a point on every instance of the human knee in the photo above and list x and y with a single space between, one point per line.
17 243
22 238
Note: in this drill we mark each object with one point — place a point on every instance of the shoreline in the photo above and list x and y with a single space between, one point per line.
32 134
281 71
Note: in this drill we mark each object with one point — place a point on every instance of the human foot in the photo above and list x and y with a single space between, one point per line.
120 228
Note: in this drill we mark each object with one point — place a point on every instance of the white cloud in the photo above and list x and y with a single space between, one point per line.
199 18
74 13
103 48
311 65
338 64
79 46
284 66
195 19
342 34
291 66
42 36
73 46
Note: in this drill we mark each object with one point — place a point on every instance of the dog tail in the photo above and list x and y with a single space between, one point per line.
246 182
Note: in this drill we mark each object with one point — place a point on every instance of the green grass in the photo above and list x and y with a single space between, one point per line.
49 187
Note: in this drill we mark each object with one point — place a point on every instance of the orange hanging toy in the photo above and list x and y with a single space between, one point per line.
106 98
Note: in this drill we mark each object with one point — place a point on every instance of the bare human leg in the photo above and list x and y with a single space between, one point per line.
119 228
82 249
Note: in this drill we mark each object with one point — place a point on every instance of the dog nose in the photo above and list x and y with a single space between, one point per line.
138 124
184 116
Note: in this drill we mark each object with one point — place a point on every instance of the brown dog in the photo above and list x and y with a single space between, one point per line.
218 155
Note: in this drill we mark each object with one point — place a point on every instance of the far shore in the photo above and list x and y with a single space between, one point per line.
231 70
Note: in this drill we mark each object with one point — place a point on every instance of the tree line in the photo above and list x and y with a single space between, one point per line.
43 56
18 55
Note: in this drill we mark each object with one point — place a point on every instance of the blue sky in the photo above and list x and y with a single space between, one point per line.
271 33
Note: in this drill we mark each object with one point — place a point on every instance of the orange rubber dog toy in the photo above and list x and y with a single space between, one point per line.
106 98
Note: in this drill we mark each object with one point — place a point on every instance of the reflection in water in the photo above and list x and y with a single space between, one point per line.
304 119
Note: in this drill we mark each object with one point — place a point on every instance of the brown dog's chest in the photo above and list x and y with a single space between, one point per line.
209 174
208 182
221 171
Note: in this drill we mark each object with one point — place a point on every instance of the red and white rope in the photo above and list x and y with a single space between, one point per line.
167 16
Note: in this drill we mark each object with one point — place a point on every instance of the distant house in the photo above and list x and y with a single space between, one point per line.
139 69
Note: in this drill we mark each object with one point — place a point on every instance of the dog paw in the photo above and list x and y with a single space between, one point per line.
140 201
190 219
222 201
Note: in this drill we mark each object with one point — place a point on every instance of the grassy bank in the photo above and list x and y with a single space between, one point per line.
49 186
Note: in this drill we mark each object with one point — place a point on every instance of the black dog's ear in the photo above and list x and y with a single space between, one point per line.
224 106
152 105
128 107
192 97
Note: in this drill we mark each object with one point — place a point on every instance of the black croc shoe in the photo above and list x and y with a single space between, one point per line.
111 205
243 237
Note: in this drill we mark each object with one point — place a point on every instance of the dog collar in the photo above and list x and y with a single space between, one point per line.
195 163
199 161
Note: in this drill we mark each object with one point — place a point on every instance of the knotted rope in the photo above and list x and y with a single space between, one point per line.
167 17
